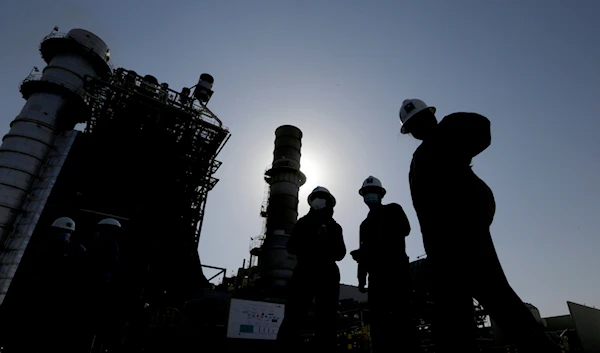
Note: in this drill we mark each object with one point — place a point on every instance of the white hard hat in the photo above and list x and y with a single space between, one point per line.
321 190
410 108
65 223
370 183
110 222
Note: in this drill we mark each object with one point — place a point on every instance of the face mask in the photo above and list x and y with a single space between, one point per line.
317 204
63 237
371 199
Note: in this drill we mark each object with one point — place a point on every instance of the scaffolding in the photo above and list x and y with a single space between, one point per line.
141 109
257 241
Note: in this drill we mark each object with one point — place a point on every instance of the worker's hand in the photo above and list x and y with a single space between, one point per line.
362 282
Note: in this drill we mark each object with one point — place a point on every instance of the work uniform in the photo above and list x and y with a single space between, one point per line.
455 210
382 256
103 254
318 243
103 259
59 277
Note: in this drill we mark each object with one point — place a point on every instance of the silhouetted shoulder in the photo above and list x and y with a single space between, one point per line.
470 132
399 217
394 207
336 225
363 223
301 219
465 119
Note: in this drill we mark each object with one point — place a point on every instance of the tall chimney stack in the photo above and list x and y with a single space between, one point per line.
285 179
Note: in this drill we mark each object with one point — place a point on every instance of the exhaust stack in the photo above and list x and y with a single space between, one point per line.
285 179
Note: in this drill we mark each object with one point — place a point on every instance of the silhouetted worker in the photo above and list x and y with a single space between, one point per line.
43 316
59 277
318 243
455 210
103 259
104 251
382 255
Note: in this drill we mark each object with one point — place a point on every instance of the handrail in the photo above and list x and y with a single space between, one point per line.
38 77
197 110
55 34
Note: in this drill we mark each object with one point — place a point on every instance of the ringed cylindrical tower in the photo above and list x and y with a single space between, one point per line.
285 179
55 103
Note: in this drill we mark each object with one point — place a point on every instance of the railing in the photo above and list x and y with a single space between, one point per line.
153 93
38 77
55 34
222 271
289 166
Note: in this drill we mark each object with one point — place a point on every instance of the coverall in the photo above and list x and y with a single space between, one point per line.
382 255
318 243
455 209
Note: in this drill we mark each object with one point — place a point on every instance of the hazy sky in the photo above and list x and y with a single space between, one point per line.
339 70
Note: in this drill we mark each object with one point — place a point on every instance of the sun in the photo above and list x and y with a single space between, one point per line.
313 169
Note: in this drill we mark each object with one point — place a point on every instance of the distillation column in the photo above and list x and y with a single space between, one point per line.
285 179
55 103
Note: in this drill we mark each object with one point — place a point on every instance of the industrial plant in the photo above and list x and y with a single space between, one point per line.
146 158
95 143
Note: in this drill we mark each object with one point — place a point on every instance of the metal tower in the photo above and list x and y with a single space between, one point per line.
285 179
55 103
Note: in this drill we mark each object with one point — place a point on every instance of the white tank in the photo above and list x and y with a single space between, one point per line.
24 148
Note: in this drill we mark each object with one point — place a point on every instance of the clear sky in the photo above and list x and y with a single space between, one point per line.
339 70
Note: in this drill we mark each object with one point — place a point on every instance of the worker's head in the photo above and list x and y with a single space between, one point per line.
62 228
417 118
108 226
110 223
372 191
320 198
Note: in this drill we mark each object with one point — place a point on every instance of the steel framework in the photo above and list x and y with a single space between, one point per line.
141 108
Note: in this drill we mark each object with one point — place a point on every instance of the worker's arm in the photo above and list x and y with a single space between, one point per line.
362 267
402 223
293 244
468 133
339 250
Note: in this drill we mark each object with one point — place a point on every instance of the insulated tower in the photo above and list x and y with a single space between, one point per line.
55 103
51 101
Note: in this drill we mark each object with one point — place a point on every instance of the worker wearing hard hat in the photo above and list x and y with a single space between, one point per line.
62 229
318 243
58 251
455 209
104 258
58 277
104 250
382 255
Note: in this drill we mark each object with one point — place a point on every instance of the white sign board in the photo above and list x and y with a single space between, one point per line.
254 320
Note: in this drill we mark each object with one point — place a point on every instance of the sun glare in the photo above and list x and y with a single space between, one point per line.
312 169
